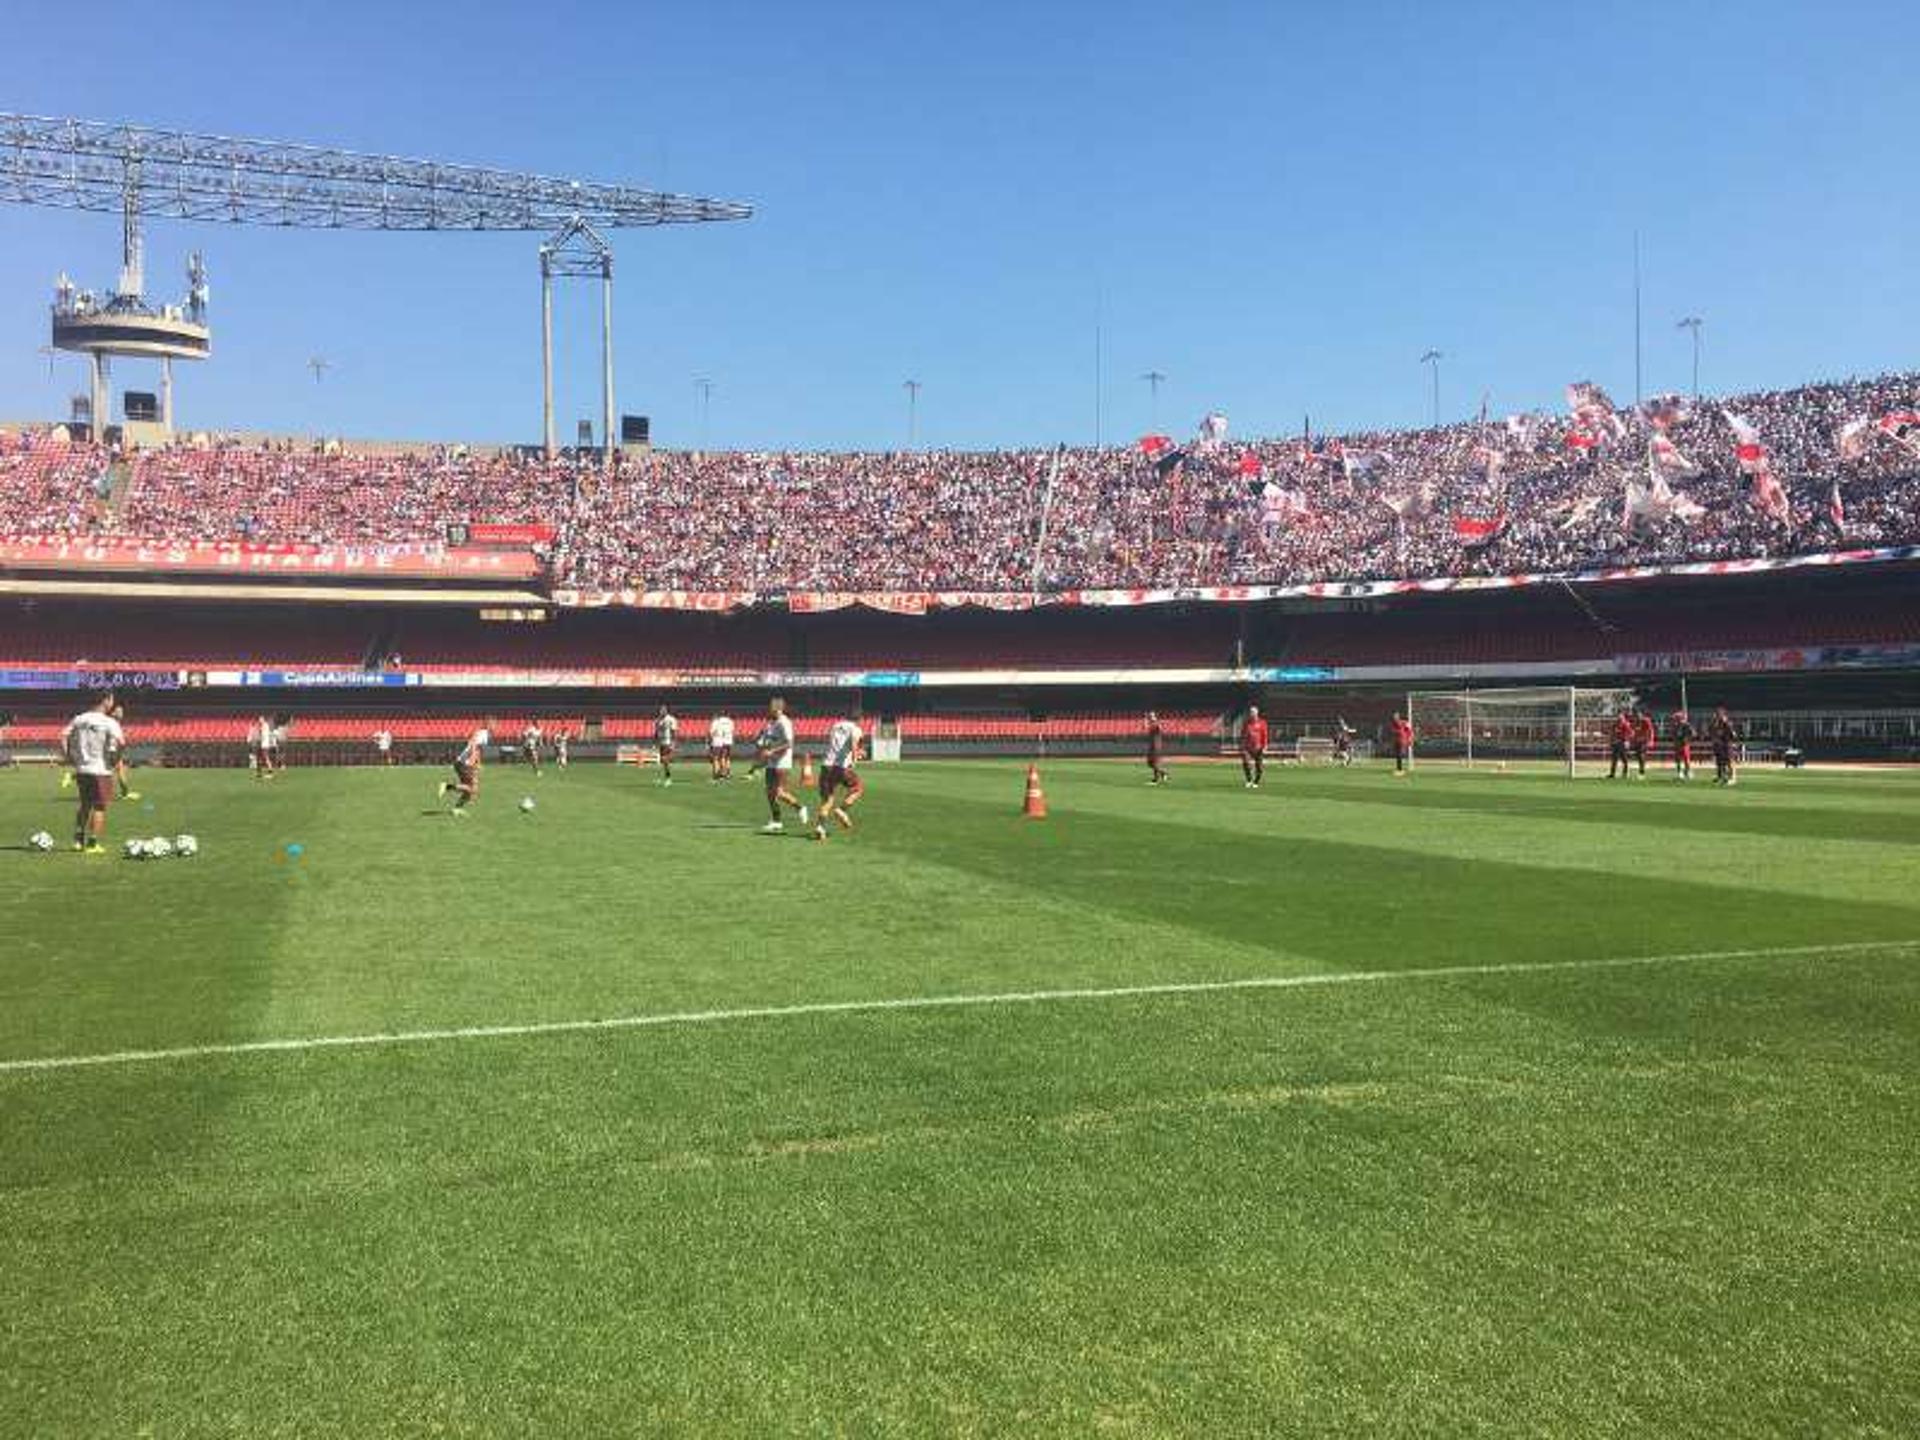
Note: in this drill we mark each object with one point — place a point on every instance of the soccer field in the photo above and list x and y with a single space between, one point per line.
1488 1103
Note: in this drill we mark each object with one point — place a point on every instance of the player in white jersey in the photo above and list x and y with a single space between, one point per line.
92 745
774 745
264 738
839 777
561 739
465 786
666 730
530 745
720 747
383 746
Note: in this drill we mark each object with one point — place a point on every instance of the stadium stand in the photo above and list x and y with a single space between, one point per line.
1770 474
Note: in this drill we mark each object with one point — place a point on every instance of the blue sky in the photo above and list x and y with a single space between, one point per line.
1280 206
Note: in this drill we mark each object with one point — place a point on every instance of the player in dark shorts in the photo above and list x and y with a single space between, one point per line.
1156 750
1402 732
1342 742
1253 748
839 778
1682 746
1619 766
1723 737
1643 738
466 769
666 729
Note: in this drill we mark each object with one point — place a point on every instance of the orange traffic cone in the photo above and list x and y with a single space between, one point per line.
1035 807
806 768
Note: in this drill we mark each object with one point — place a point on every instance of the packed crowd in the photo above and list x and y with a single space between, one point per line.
1527 493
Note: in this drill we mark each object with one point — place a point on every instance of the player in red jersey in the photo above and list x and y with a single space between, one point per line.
1156 750
1644 735
1618 766
1253 748
1402 743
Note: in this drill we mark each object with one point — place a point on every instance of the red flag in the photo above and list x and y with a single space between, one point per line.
1581 440
1154 444
1467 527
1250 464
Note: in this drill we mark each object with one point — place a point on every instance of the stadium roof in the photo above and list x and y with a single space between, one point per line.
180 175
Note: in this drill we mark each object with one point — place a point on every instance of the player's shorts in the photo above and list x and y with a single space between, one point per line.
840 777
1254 752
716 750
666 750
468 775
95 790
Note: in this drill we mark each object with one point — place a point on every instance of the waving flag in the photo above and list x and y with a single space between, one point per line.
1473 528
1213 427
1522 429
1491 461
1837 508
1414 503
1655 502
1747 447
1580 440
1279 506
1249 464
1594 411
1852 437
1360 465
1664 411
1154 445
1903 426
1665 458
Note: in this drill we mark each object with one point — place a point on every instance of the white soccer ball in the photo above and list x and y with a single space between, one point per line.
40 840
526 804
159 848
185 846
134 849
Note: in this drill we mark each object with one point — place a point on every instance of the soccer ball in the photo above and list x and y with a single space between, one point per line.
185 846
159 848
40 840
134 849
526 804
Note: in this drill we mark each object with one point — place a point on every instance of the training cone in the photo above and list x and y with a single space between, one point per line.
1035 807
806 769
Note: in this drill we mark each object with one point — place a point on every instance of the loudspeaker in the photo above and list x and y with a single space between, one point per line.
635 430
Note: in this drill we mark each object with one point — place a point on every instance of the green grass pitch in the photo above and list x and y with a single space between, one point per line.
1487 1185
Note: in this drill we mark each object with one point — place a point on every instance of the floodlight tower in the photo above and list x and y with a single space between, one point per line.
122 323
576 251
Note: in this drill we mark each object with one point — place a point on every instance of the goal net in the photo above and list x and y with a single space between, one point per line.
1562 724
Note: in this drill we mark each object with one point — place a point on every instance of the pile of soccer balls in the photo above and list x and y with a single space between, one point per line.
160 847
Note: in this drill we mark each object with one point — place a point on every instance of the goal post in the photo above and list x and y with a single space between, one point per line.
1550 723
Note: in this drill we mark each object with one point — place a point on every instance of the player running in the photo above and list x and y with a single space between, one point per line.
666 728
530 745
1253 748
720 747
465 786
1402 731
1644 736
1683 733
383 746
1343 734
1722 735
838 776
1156 750
774 748
92 744
561 740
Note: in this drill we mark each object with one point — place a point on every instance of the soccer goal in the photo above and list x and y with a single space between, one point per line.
1560 723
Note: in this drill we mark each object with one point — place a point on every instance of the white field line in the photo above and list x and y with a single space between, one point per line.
929 1002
